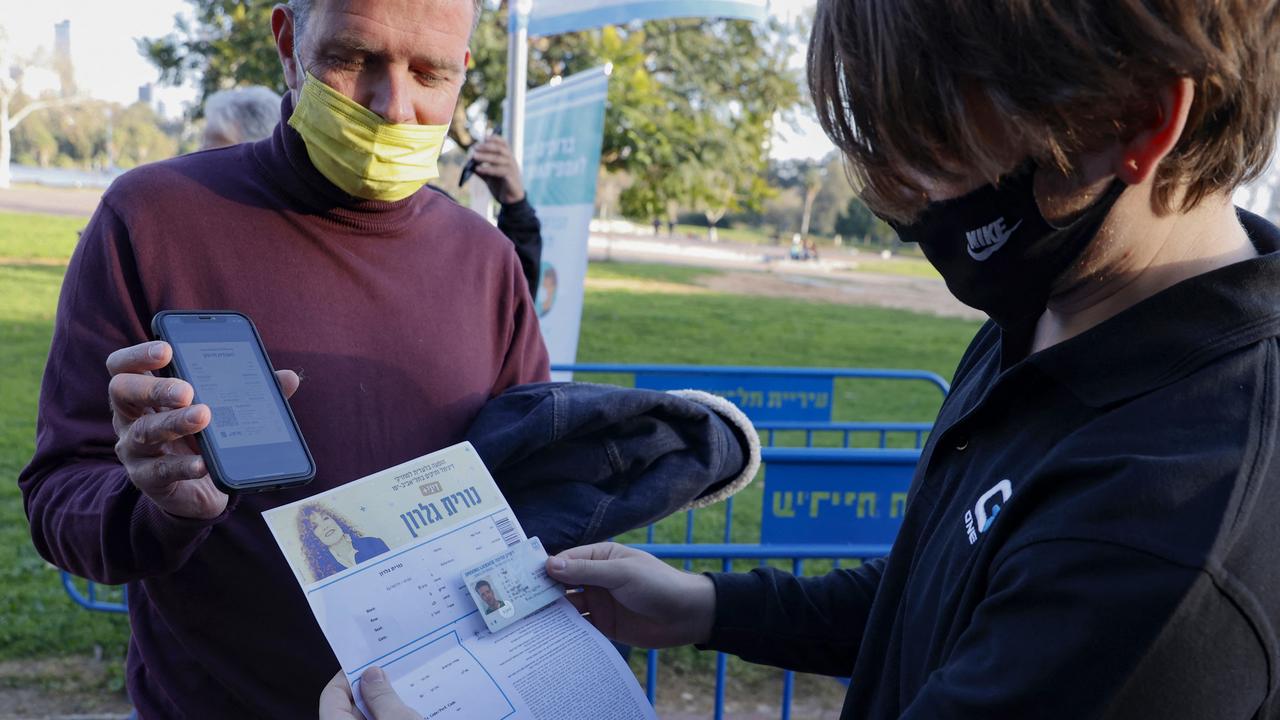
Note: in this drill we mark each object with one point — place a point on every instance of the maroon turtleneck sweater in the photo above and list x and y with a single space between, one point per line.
402 318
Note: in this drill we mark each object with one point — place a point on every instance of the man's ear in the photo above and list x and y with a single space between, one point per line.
282 29
1140 154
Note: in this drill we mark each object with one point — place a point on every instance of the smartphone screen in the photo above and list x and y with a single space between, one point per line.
252 441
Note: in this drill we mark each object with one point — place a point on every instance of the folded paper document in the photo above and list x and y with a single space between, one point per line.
390 564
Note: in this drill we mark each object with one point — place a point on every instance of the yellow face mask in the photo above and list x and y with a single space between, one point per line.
360 152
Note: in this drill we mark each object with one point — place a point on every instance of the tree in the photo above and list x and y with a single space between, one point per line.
671 80
34 142
230 43
138 137
834 196
812 182
858 222
16 107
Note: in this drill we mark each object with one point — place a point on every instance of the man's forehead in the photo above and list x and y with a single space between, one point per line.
439 27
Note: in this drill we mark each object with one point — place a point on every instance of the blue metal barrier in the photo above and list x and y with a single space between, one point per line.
861 530
845 432
89 599
765 394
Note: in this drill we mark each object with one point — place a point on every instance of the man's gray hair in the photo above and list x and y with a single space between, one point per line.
302 12
243 114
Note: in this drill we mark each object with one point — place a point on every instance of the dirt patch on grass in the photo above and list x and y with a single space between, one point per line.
923 295
63 688
644 286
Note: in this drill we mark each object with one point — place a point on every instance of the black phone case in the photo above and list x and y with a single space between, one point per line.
206 448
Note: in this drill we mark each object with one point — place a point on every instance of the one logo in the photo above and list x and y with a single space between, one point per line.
985 510
987 239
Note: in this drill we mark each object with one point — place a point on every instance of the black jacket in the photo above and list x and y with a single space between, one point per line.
520 224
580 463
1092 531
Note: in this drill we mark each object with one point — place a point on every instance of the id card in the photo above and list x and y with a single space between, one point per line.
512 585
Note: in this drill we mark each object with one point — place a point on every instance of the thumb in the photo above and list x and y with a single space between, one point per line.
381 698
289 382
608 574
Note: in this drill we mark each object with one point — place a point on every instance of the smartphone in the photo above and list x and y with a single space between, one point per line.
470 167
252 442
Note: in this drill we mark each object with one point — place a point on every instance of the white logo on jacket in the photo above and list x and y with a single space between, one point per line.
985 510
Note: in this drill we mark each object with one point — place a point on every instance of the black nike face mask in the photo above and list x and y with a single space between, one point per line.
996 251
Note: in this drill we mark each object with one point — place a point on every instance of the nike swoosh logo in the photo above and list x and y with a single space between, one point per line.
988 251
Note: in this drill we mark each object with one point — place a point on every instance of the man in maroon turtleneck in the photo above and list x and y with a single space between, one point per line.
401 317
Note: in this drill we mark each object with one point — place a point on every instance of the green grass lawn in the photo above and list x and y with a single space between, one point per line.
898 265
36 618
26 236
632 325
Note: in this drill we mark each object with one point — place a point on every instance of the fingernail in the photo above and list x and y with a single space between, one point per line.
156 351
374 675
175 392
558 564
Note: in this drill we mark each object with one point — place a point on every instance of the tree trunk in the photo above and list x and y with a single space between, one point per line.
713 217
809 197
5 149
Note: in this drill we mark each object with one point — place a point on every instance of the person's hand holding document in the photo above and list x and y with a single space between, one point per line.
457 612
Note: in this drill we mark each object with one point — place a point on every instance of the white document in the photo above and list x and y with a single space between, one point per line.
381 561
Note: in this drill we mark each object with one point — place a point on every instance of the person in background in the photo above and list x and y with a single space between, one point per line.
517 219
239 115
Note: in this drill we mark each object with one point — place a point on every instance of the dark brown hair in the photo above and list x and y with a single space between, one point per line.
896 84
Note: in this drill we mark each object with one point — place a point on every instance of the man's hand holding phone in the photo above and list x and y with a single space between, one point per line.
155 423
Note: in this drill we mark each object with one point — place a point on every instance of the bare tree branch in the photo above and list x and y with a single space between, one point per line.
35 105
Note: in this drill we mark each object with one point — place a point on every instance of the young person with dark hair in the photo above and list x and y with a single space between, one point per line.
1091 530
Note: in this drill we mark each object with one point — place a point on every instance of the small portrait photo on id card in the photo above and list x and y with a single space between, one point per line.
490 600
512 585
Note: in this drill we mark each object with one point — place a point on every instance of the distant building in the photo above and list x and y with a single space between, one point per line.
62 40
62 57
144 93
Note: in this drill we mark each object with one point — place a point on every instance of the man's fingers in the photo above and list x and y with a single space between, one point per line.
149 433
381 698
338 686
497 143
289 382
493 158
154 475
140 358
132 394
335 700
498 170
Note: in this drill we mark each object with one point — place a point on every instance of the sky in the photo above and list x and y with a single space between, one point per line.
108 65
106 60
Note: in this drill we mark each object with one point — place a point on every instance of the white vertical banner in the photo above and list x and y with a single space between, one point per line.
563 131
